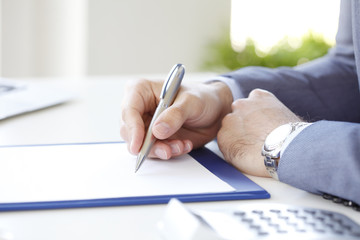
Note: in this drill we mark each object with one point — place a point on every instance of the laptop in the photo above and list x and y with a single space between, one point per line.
17 97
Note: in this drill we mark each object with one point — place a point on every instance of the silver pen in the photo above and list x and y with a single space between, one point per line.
167 96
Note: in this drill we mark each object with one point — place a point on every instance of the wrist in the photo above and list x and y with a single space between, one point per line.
224 96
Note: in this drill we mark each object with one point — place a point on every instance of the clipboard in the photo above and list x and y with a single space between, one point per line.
243 187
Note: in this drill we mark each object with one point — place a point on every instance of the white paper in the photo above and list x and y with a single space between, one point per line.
28 97
91 171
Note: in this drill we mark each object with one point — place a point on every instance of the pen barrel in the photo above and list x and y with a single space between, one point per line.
167 96
150 139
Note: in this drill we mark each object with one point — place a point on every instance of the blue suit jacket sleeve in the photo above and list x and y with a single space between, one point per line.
325 156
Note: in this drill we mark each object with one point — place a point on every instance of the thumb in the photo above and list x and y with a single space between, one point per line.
170 121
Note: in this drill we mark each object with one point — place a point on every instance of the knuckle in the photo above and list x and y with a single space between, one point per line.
138 84
259 93
123 115
228 117
175 117
134 126
141 82
240 104
123 132
126 115
177 112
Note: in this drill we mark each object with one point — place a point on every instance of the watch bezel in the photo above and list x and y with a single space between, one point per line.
277 137
271 149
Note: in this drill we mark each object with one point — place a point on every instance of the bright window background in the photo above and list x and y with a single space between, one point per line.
268 21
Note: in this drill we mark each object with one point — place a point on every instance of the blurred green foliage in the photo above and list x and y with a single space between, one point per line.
221 56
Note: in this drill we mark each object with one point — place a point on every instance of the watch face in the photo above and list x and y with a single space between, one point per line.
277 137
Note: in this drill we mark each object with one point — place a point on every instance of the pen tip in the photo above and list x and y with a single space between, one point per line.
139 161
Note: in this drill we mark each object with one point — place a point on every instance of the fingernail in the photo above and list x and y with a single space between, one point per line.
162 128
131 146
175 149
187 147
160 153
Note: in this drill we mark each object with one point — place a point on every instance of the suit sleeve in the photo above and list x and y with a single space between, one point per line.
323 158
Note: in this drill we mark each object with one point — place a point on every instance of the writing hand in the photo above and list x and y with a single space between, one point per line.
190 122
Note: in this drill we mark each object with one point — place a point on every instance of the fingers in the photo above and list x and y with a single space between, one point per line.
137 111
170 121
192 120
137 108
195 107
188 108
256 97
170 148
166 127
132 129
260 93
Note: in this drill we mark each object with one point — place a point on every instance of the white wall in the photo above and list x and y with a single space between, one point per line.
106 37
17 37
43 37
130 36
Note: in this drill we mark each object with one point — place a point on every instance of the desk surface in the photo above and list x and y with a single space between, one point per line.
93 116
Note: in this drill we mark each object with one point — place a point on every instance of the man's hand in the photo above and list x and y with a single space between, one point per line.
190 122
244 130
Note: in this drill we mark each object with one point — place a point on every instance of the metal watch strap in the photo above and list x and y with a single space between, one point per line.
271 165
271 162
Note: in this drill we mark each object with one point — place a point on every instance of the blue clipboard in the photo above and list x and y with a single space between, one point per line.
244 189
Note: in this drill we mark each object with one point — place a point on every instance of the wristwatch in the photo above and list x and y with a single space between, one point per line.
273 145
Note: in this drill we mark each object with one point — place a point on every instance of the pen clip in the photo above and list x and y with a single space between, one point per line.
173 81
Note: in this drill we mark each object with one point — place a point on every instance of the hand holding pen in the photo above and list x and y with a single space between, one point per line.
168 93
190 122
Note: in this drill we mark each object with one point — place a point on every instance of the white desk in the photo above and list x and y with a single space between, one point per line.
94 117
